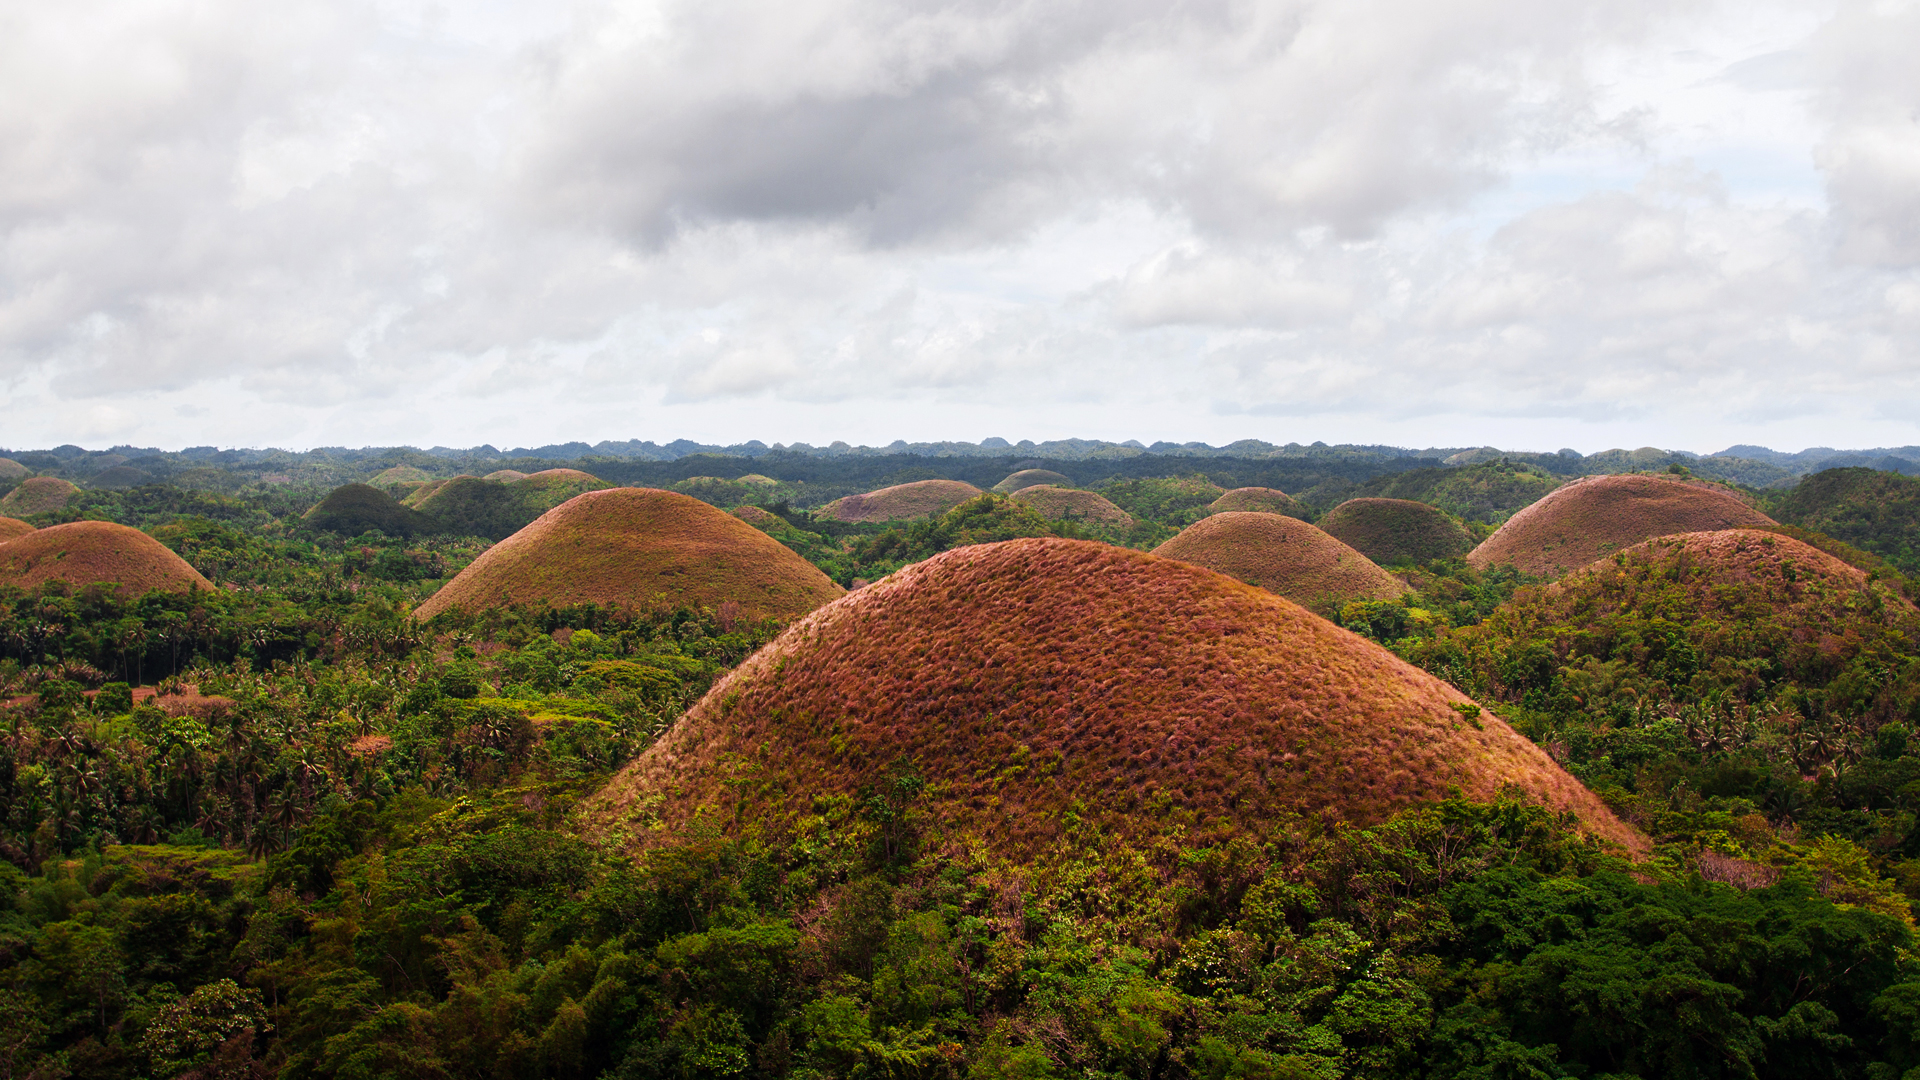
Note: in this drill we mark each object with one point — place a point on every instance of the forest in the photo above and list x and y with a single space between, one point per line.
284 828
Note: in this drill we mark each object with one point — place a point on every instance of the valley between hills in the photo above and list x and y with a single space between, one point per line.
954 760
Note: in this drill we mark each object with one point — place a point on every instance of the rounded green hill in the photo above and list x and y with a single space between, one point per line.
1590 518
1285 555
84 553
39 495
352 509
902 502
1396 530
118 477
1258 500
13 470
1066 504
1026 679
639 548
1027 478
399 474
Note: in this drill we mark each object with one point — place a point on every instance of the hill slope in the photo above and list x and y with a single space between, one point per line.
1396 530
1066 504
639 548
39 495
1878 512
1027 478
353 509
95 552
12 527
902 502
1285 555
1021 679
13 470
1258 500
1589 518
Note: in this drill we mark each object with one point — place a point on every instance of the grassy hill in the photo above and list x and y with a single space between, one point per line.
1258 500
1033 683
1027 478
1066 504
901 502
39 495
1285 555
353 509
1488 492
84 553
12 527
1396 530
639 549
1599 515
1878 512
13 470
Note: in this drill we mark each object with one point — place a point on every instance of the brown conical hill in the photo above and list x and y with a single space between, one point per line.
1283 554
1586 519
1259 500
1028 678
40 495
86 553
556 476
1066 504
1027 478
1396 530
12 527
13 470
639 548
902 502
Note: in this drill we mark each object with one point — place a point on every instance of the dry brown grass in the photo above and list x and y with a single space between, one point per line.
563 476
86 553
1027 478
39 495
639 548
902 502
1392 530
505 475
1284 555
1026 679
12 527
1258 500
1060 504
1591 518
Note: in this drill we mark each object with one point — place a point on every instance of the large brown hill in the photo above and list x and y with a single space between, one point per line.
1393 530
1025 679
1285 555
902 502
1586 519
85 553
1259 500
12 527
639 548
1066 504
39 495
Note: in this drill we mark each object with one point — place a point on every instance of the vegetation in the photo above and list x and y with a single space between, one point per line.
639 549
1591 518
1026 478
360 508
39 495
1488 492
96 553
1066 504
13 527
1284 555
1396 531
1878 512
901 502
1258 500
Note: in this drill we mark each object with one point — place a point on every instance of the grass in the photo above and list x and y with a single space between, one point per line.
399 474
12 527
39 495
1066 504
353 509
505 475
1284 555
639 548
13 470
1038 685
1258 500
902 502
84 553
1397 530
1876 511
1594 517
759 518
1027 478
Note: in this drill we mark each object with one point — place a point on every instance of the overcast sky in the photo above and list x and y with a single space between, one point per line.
1418 222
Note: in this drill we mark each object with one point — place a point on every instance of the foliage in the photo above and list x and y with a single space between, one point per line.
1875 511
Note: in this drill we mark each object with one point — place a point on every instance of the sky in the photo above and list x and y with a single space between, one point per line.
1417 222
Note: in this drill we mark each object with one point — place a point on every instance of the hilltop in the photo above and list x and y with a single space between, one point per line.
1285 555
1586 519
1022 679
639 549
39 495
12 527
1258 500
1878 512
1066 504
1396 530
358 508
902 502
85 553
13 470
1027 478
